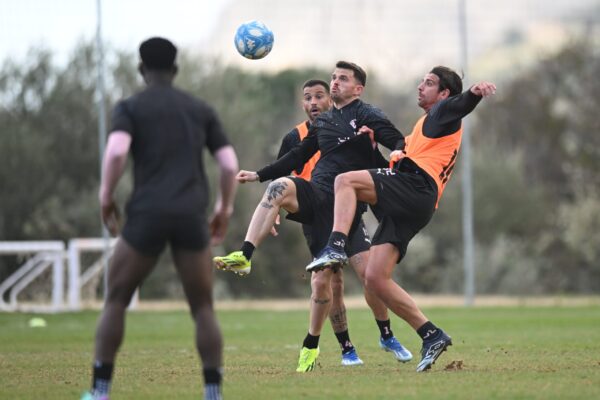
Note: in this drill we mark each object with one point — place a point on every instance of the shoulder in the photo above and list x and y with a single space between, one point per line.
292 135
322 119
438 108
367 110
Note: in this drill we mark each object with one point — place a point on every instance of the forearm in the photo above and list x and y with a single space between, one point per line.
298 156
113 166
388 135
228 164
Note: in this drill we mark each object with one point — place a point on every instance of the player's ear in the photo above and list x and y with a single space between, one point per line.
175 69
141 68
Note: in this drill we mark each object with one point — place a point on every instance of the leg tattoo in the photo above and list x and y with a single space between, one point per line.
275 189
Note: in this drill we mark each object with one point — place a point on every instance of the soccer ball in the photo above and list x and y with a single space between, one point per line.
254 40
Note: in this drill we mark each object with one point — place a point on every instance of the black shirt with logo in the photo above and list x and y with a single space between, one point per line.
342 149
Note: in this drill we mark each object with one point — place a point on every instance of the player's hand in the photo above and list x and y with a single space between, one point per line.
218 226
483 89
365 130
277 222
246 176
396 156
111 216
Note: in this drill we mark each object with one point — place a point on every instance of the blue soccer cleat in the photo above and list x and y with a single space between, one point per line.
328 258
393 346
350 358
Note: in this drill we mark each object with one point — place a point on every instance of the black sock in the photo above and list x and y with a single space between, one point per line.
428 331
212 375
212 383
247 249
310 341
102 377
385 329
344 341
337 240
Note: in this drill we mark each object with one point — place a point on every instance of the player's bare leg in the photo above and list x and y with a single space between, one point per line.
128 268
337 312
378 307
378 280
197 275
281 193
350 187
320 304
320 301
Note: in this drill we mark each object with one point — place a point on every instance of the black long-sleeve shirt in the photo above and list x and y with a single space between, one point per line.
445 117
288 142
342 148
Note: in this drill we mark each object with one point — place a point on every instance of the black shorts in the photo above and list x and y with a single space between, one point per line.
315 213
149 233
405 202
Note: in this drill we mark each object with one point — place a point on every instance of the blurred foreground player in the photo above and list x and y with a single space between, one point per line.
166 131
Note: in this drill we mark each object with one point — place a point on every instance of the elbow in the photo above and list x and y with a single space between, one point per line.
228 161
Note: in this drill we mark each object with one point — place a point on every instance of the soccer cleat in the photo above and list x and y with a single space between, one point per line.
235 262
432 349
393 346
307 360
328 258
90 396
350 358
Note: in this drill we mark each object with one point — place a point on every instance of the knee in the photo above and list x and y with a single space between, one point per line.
321 284
373 283
277 190
343 180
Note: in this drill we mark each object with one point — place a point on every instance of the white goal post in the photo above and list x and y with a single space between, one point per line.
76 279
38 256
46 253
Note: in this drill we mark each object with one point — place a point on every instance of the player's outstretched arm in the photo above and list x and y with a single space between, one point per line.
484 89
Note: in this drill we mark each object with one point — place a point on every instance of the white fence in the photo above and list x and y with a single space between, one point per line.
41 255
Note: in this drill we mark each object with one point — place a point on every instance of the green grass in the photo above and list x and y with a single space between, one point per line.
507 353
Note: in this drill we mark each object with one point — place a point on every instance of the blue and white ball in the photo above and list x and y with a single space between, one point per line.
254 40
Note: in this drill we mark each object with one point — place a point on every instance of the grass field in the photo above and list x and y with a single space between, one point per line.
506 353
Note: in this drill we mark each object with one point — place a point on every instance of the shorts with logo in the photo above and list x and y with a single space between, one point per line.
315 213
150 233
406 200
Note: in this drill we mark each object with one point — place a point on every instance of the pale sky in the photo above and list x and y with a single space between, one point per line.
59 24
394 37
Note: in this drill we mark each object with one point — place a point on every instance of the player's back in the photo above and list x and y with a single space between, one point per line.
169 130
